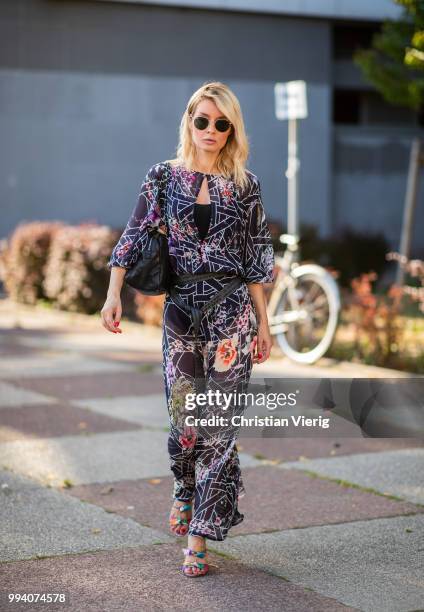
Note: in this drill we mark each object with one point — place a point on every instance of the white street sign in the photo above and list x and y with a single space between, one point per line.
290 100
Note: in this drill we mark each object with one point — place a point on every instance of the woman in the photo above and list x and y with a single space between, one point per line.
209 206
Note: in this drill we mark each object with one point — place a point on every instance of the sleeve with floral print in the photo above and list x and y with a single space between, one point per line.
146 215
258 251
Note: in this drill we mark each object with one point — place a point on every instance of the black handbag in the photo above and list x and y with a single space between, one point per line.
152 273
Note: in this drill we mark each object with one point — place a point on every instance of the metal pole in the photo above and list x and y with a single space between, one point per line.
410 205
292 175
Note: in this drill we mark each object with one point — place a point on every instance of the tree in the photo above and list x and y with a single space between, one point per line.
395 63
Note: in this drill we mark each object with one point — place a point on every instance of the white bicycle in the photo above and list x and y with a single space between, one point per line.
304 306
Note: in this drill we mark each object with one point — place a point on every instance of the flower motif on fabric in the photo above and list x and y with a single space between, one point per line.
269 262
152 219
188 178
243 319
180 388
121 251
203 251
220 315
176 231
226 354
189 230
170 370
202 526
177 347
226 189
188 437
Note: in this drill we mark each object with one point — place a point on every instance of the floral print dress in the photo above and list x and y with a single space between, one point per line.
238 241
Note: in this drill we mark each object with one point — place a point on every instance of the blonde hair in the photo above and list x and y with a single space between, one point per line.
232 157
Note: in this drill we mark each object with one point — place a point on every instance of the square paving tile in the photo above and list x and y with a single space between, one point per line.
148 579
292 449
96 385
135 357
57 363
148 410
371 565
274 500
398 472
12 395
36 520
101 457
52 420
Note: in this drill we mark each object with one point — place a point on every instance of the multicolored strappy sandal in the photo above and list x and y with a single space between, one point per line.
199 569
175 521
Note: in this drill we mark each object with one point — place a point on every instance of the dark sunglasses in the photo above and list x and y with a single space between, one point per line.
201 123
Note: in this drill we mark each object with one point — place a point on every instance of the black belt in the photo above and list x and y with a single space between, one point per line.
197 313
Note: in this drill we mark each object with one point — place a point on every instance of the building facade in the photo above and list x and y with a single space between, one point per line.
92 93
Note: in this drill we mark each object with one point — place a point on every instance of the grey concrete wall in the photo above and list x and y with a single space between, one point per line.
91 95
371 166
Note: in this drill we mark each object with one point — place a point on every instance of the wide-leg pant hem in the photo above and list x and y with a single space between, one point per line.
221 534
207 536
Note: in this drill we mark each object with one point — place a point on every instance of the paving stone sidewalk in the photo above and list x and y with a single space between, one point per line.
331 523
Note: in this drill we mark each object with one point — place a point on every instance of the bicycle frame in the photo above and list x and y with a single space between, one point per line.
284 279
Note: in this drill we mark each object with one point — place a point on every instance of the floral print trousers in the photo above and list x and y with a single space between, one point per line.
206 468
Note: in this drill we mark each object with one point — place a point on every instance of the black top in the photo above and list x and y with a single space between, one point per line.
202 217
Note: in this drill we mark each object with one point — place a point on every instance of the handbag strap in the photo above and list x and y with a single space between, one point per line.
162 194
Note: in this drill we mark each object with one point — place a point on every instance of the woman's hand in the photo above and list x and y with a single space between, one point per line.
263 344
111 314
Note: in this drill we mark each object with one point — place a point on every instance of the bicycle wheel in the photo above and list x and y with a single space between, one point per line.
314 298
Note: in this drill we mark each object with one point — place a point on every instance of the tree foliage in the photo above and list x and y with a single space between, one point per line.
395 62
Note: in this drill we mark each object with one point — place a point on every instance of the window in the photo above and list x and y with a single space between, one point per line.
359 107
347 38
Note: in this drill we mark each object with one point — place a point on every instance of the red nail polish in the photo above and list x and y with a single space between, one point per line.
260 355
